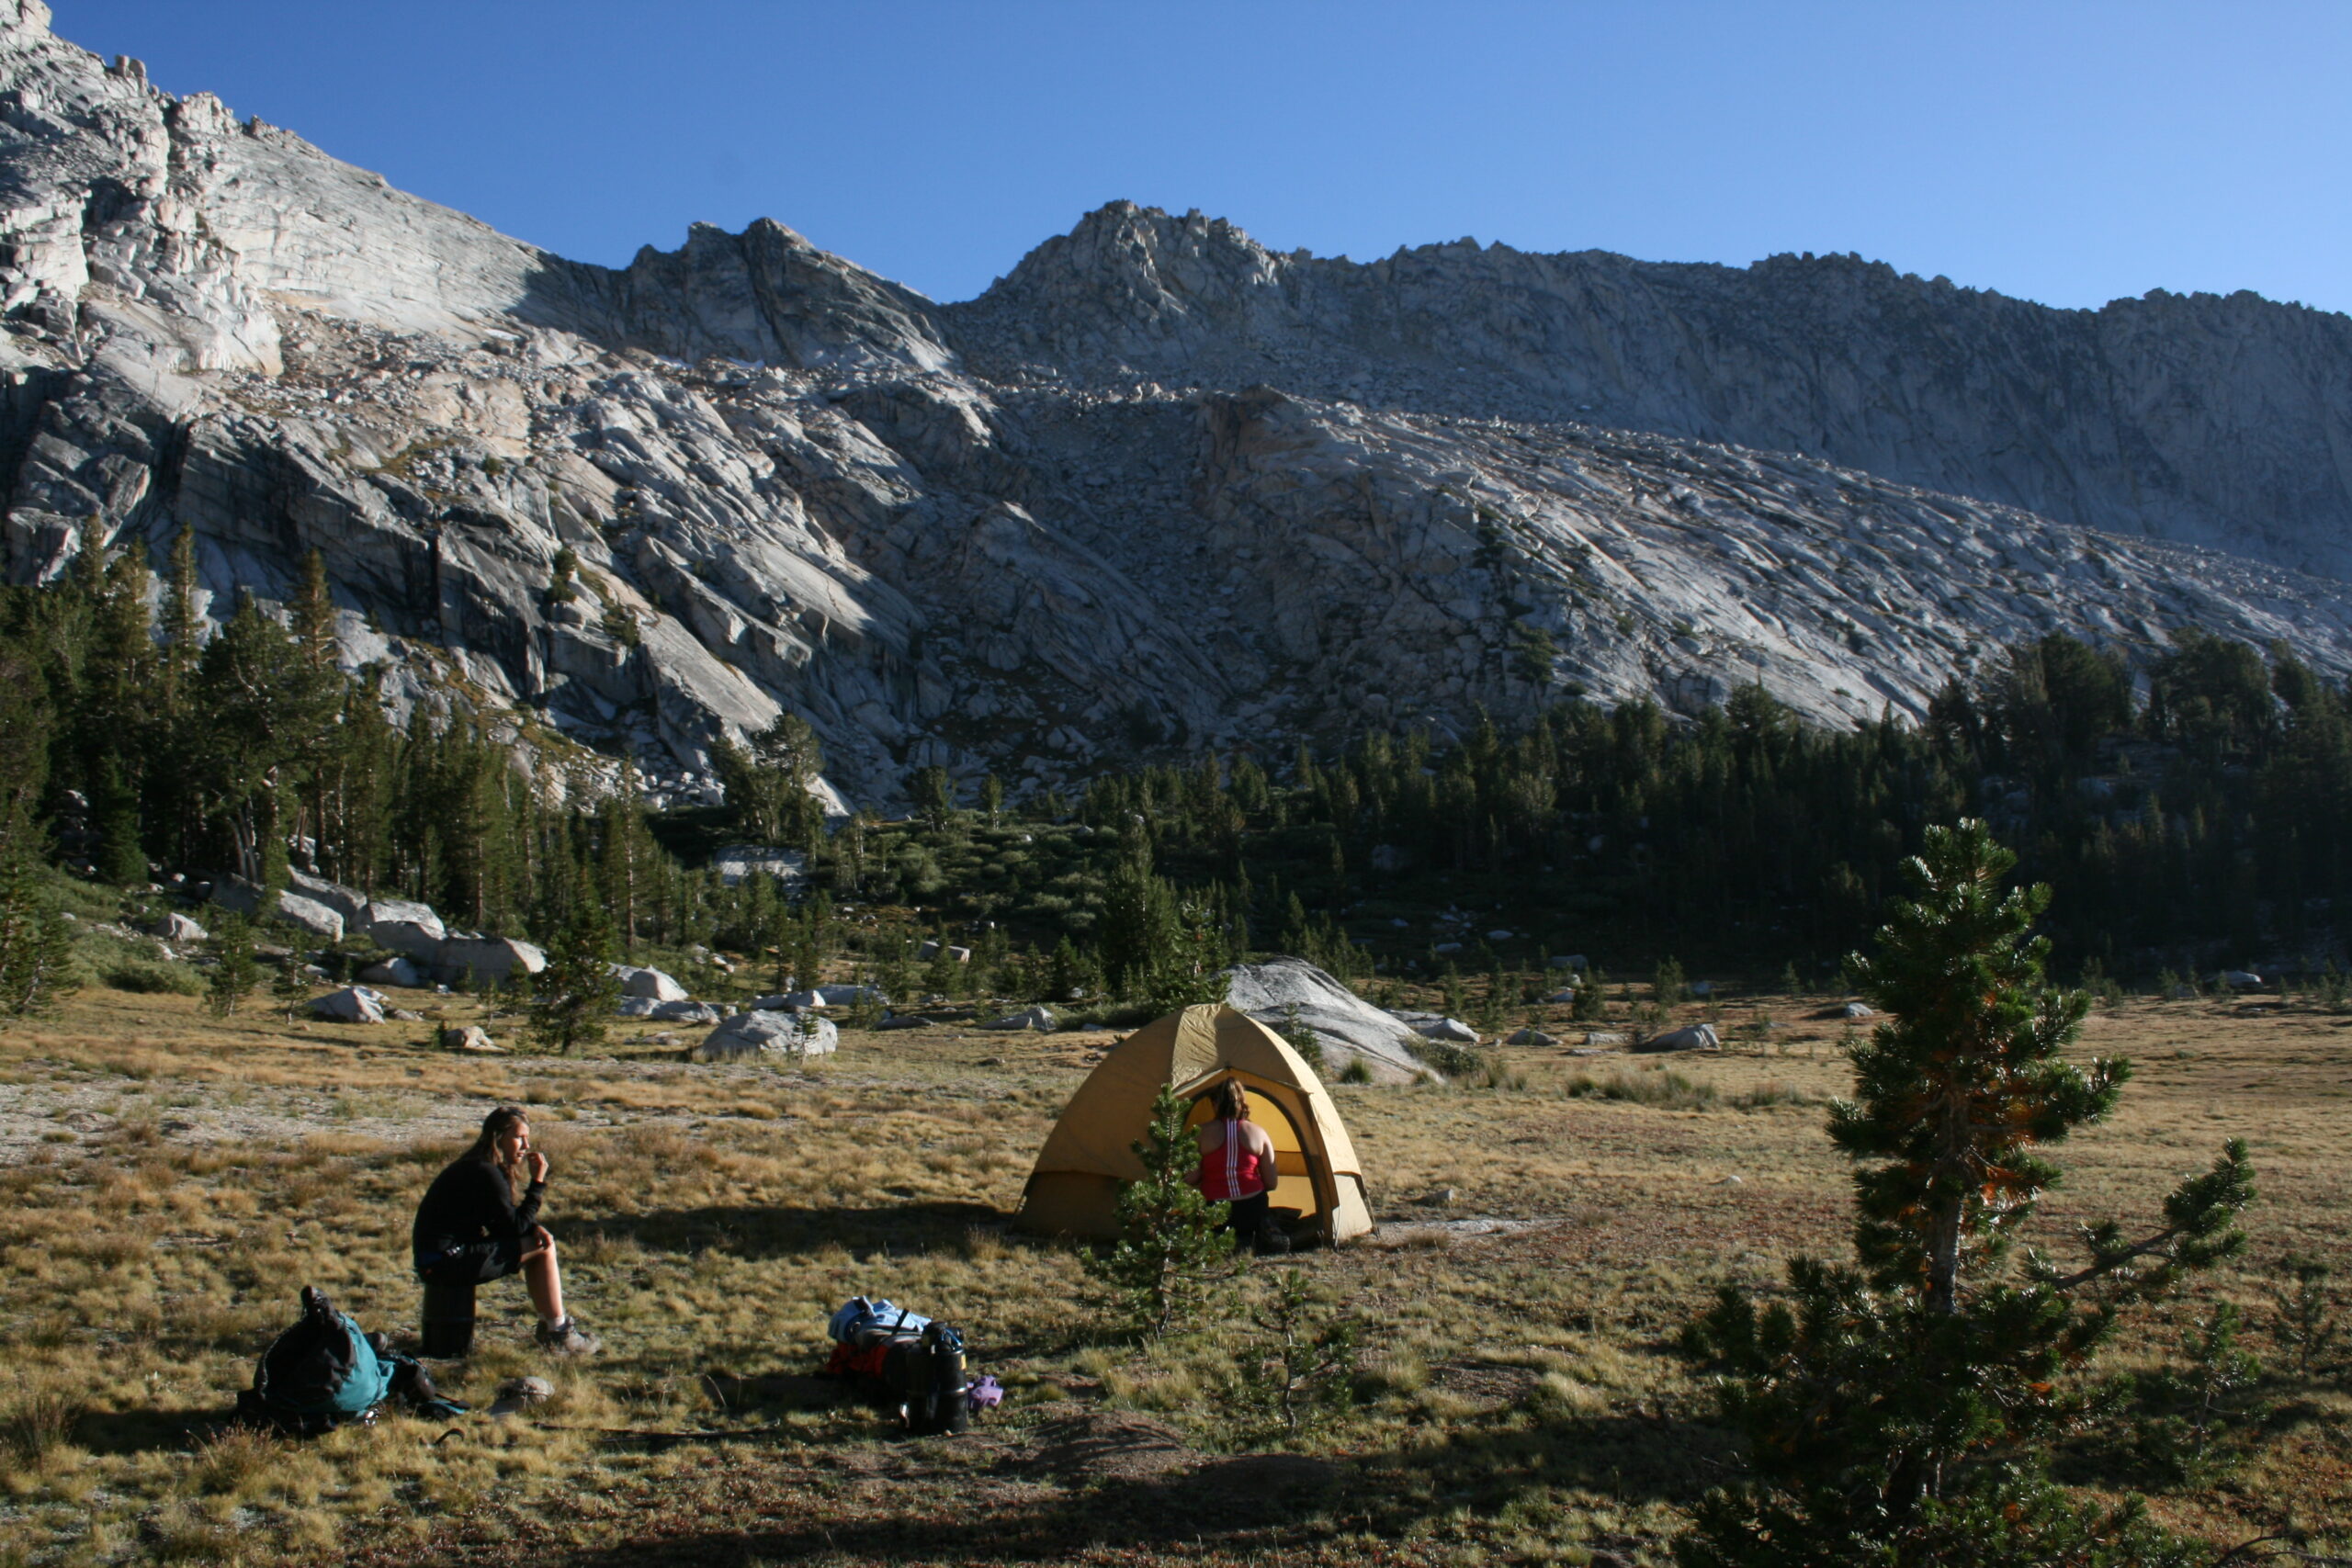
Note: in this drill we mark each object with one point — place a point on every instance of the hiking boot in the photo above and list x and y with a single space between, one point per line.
568 1338
1272 1241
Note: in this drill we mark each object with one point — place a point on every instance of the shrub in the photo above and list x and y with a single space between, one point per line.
1667 1090
147 978
1455 1061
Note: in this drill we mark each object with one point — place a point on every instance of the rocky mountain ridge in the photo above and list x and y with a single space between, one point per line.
1108 508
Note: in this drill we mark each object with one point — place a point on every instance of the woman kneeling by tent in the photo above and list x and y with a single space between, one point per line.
469 1229
1237 1168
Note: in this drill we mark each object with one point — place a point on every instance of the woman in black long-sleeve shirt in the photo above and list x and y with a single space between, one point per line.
469 1230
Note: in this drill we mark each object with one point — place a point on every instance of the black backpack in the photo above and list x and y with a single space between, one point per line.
326 1370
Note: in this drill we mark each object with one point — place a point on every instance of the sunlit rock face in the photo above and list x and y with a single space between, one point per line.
1158 489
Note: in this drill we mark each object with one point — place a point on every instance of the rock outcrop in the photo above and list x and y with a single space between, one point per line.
1160 489
1290 993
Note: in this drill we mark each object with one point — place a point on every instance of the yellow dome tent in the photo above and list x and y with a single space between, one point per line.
1075 1188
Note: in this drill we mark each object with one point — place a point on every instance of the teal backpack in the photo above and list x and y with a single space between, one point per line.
320 1374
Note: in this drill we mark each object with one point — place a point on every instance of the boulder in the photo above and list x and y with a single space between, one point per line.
487 958
1281 991
1039 1018
353 1004
905 1021
1562 997
683 1012
398 971
930 950
1695 1037
403 911
1498 936
736 862
650 984
347 902
849 996
2239 979
1858 1009
309 915
1531 1037
416 941
471 1037
770 1036
1437 1026
240 896
178 930
634 1007
1604 1039
1702 989
784 1002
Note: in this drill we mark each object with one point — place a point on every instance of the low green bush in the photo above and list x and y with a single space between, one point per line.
147 978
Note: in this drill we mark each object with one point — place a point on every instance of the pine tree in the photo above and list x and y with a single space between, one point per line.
1170 1244
1887 1406
1141 926
36 946
575 994
313 615
183 628
290 987
235 969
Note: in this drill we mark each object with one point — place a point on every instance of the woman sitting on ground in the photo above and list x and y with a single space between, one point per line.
469 1230
1237 1168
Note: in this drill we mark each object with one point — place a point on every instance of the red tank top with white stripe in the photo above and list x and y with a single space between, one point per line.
1230 1170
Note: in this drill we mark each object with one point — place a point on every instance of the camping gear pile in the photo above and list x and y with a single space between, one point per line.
327 1370
908 1363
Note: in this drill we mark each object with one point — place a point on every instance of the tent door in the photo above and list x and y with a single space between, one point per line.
1306 1182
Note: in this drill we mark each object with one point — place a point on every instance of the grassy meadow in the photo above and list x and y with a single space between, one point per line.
168 1182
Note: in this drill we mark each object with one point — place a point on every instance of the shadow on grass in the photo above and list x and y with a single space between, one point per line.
146 1431
1094 1500
749 1232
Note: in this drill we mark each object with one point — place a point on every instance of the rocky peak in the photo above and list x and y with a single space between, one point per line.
2219 422
765 296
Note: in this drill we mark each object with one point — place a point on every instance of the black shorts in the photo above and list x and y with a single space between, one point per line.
475 1265
1248 1216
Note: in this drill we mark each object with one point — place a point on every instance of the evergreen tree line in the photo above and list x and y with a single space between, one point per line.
2192 816
2200 814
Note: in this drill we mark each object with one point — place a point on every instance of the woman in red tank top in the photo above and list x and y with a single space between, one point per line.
1237 1162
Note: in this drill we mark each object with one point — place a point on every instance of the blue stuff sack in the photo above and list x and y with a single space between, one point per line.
858 1316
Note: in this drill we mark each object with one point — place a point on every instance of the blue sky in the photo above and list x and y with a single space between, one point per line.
2065 153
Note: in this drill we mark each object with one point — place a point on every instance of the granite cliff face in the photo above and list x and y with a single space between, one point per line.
1158 488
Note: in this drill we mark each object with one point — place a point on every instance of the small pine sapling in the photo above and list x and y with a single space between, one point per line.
235 970
1171 1245
290 987
2306 1315
1301 1039
2193 1417
1299 1375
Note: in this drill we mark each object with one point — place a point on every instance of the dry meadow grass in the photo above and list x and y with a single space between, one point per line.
168 1183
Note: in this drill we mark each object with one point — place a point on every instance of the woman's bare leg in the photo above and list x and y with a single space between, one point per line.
545 1281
